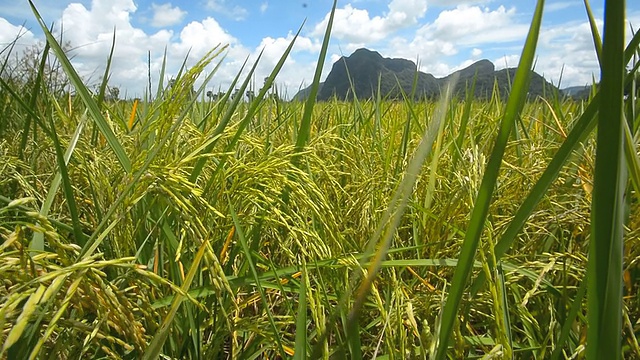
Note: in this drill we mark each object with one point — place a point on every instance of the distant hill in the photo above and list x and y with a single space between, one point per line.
368 69
577 92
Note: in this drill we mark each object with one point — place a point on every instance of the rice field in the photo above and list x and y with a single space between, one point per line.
178 227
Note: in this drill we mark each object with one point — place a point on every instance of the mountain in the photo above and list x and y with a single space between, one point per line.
578 92
573 90
365 70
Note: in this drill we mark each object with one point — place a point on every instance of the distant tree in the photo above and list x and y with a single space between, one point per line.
114 93
250 95
22 69
210 95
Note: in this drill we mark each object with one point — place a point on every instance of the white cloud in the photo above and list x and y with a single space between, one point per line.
453 30
10 33
353 25
263 7
166 15
403 13
198 37
561 5
457 2
89 30
356 25
506 61
467 25
468 32
235 12
295 72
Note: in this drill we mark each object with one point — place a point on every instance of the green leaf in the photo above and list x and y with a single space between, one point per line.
37 242
604 269
483 200
155 347
83 93
597 41
80 237
249 257
301 318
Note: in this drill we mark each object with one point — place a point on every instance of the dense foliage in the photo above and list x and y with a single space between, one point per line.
186 227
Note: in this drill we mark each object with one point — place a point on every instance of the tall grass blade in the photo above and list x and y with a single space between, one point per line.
253 108
576 306
66 185
582 128
155 347
83 93
222 125
105 77
305 123
604 269
387 227
466 114
37 242
106 223
301 319
483 200
597 40
249 258
632 159
32 102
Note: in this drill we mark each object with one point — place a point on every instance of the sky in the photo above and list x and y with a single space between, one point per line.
441 36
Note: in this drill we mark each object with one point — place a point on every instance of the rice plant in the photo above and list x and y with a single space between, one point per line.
173 227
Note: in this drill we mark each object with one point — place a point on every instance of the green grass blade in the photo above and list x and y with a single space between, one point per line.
381 239
83 93
222 125
161 75
155 347
301 318
249 257
632 159
102 229
597 40
37 242
255 104
105 76
68 189
470 97
604 292
32 102
305 124
483 200
582 128
576 306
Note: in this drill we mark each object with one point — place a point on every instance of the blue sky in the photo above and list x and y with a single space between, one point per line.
441 35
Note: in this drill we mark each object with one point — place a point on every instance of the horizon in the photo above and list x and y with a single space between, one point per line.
441 36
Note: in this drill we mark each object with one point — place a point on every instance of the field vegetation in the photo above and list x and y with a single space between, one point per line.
179 227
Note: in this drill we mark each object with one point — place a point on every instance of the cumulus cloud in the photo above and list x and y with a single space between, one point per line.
166 15
469 28
299 67
198 37
457 2
474 25
90 28
10 33
356 25
235 12
263 7
455 38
